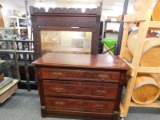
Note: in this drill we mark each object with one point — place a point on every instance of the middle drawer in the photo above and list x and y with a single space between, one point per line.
80 89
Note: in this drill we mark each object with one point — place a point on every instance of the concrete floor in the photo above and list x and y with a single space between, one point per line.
24 105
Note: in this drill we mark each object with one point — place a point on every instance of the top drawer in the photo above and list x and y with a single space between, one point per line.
80 74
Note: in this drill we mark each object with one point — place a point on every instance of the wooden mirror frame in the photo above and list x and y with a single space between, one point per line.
63 19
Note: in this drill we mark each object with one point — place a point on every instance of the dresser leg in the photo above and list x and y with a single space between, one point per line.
43 113
115 115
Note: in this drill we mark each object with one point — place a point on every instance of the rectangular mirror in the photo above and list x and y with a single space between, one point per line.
65 42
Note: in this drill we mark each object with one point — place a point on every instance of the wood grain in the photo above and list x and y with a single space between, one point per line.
82 61
80 85
156 14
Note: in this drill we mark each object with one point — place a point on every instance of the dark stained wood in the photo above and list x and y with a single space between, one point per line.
82 61
63 19
80 85
80 74
81 89
79 105
75 11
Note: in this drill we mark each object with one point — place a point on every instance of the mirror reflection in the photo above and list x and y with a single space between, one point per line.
65 42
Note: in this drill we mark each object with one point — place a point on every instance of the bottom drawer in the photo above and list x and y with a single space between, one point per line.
79 105
79 115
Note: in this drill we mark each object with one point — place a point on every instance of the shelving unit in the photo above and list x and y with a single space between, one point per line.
18 26
114 33
19 57
143 19
111 31
8 87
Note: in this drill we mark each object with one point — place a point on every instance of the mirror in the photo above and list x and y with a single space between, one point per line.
65 42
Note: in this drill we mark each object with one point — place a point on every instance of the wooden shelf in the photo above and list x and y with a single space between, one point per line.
154 25
143 18
137 17
149 69
155 104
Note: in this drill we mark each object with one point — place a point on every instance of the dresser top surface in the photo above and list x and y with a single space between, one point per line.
81 61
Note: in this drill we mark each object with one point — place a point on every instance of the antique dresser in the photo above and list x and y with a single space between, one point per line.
80 85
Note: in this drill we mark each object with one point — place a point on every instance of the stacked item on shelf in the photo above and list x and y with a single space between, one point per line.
4 81
8 85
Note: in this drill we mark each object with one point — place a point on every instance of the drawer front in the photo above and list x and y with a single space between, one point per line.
48 73
79 105
81 89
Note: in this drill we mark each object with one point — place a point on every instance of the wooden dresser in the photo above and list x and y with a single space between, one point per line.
80 85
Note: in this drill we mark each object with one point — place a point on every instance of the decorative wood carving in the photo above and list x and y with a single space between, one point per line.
64 19
96 11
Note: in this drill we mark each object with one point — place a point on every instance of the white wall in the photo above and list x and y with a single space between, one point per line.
6 7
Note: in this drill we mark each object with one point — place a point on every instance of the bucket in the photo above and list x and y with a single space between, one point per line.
146 90
110 42
150 54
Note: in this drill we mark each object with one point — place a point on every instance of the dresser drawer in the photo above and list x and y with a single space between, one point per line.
79 105
69 74
80 89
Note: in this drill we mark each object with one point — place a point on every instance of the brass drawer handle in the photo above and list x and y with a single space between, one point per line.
101 92
99 107
57 74
59 103
103 76
58 90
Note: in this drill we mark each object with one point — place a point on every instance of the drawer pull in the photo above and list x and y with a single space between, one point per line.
58 90
101 92
59 103
103 76
99 107
57 74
